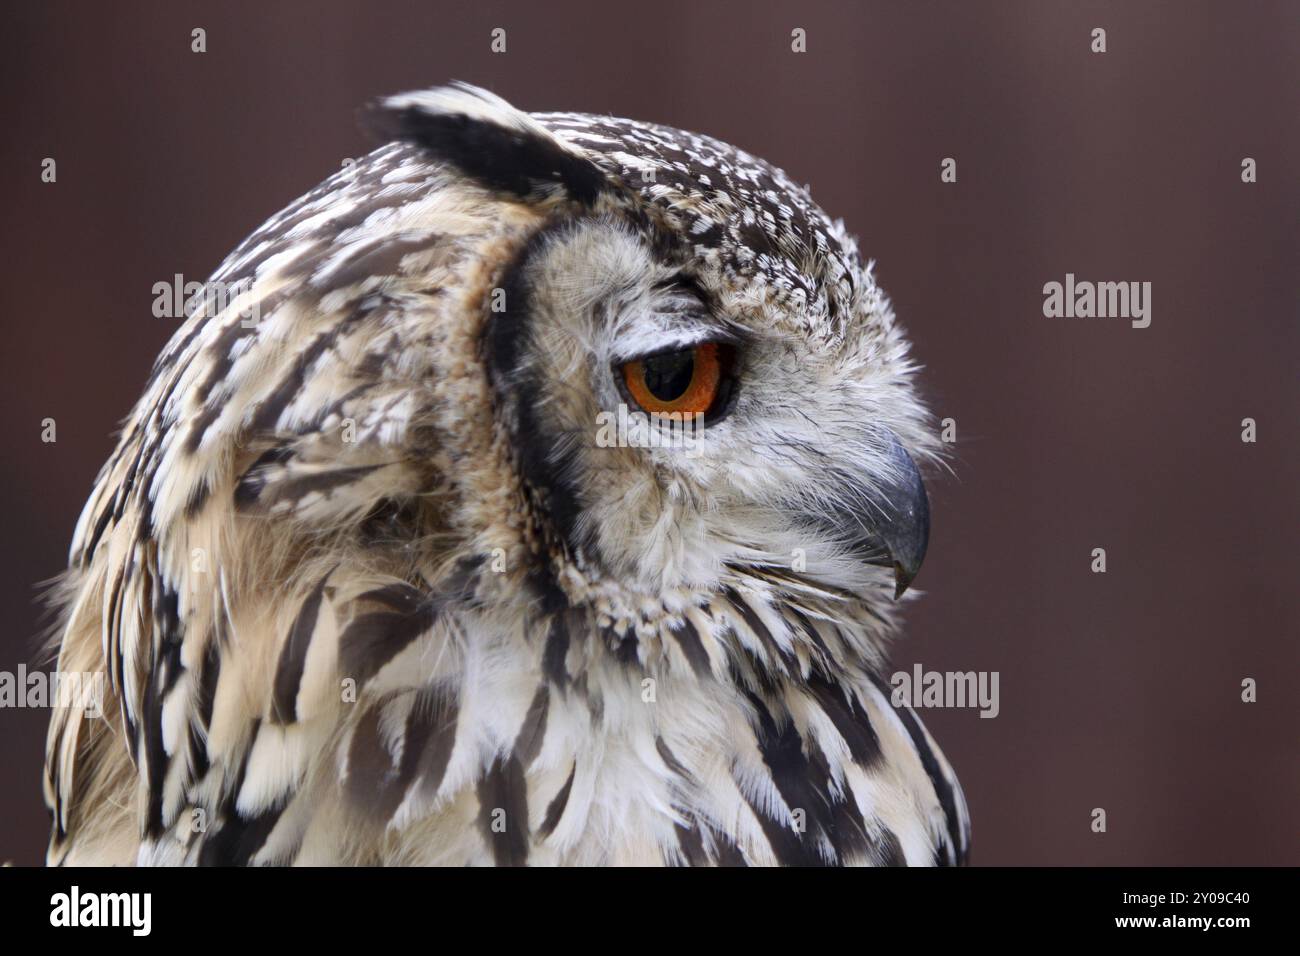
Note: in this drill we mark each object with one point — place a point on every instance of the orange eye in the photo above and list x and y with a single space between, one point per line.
687 381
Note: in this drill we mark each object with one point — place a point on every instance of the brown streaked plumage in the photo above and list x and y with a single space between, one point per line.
371 587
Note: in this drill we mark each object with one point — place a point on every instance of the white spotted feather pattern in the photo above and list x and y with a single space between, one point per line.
368 591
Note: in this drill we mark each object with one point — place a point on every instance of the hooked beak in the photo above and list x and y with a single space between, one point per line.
894 529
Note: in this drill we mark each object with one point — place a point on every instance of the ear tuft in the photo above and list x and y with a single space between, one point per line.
488 139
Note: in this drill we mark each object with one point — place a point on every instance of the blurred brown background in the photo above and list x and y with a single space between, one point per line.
1118 690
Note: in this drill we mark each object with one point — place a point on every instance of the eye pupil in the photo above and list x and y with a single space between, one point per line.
668 376
686 382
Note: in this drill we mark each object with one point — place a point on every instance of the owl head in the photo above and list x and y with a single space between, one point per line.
618 363
697 372
514 396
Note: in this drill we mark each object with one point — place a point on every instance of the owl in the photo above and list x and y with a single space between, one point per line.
544 490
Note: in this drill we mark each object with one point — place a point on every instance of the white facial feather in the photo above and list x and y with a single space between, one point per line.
369 588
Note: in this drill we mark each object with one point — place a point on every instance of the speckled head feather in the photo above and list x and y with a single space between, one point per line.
372 584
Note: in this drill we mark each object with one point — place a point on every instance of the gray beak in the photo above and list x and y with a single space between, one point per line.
902 524
893 530
905 528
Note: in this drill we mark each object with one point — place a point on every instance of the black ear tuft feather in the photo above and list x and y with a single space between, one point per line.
488 139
